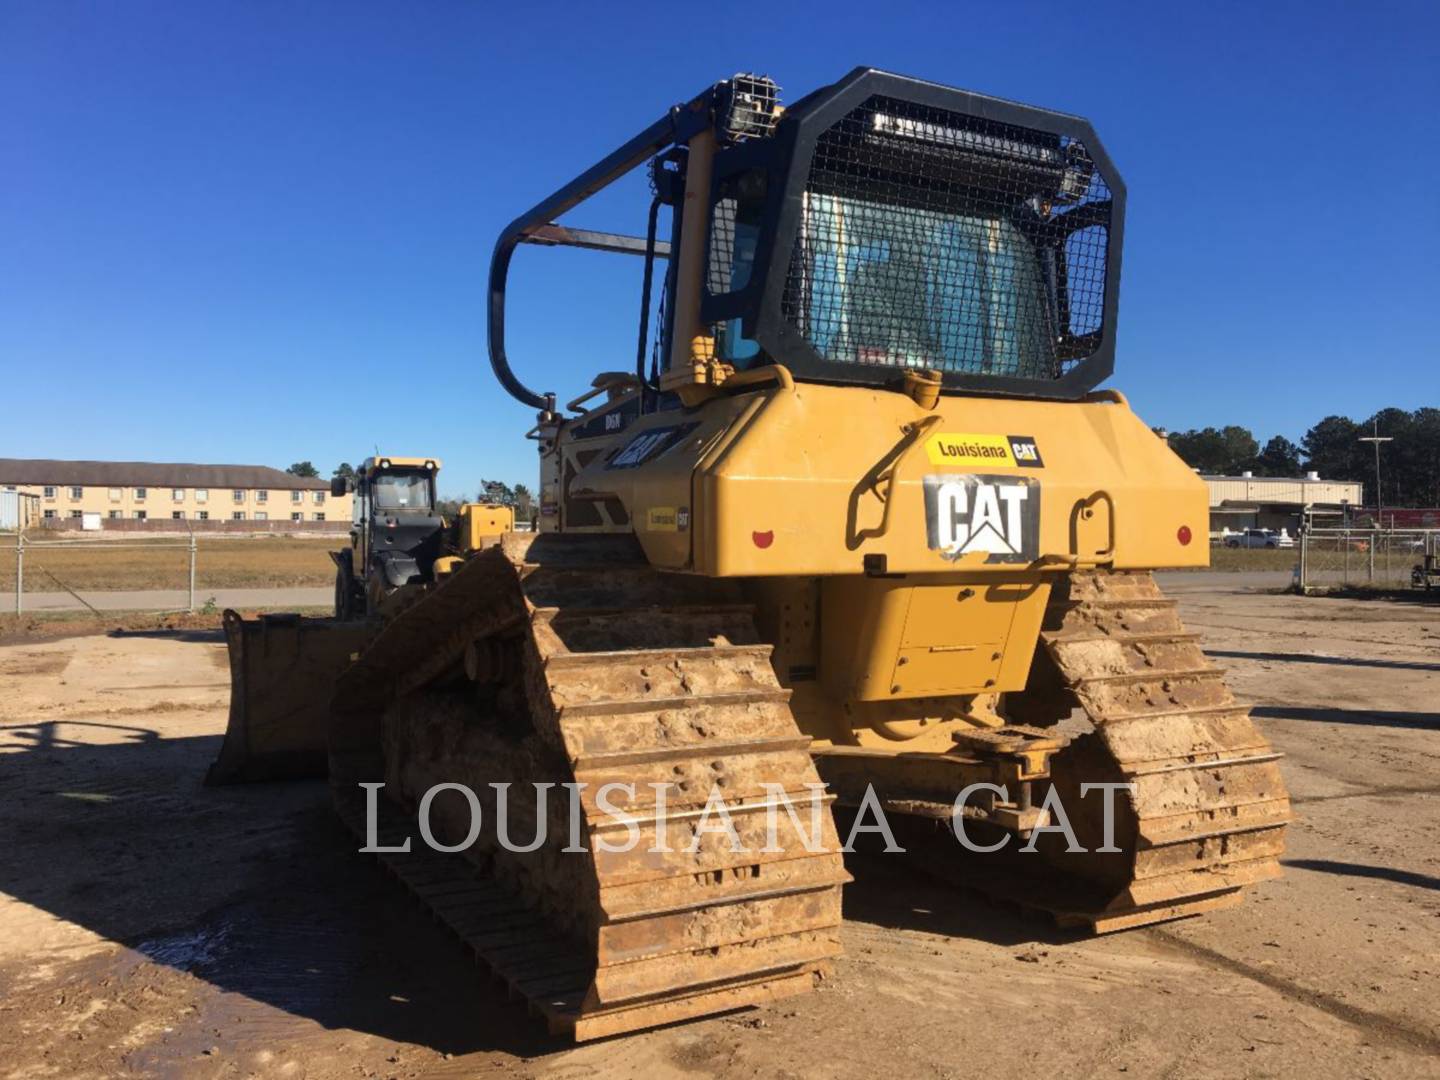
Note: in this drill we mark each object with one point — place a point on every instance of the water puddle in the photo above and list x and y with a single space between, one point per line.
190 950
297 965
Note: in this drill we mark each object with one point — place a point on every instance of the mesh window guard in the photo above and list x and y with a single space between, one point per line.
935 239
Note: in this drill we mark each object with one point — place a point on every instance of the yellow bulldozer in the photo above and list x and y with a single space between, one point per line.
857 534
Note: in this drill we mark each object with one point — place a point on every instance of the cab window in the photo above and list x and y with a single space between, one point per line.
401 491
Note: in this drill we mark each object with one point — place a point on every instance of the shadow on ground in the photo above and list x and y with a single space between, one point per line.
1423 721
1398 596
189 635
1308 658
257 890
891 891
1382 873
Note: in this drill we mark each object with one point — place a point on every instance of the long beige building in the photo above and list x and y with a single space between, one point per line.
158 491
1275 502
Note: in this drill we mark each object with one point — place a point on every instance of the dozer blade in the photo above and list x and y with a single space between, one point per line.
283 670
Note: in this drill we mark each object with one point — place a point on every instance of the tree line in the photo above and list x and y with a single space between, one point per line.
1409 464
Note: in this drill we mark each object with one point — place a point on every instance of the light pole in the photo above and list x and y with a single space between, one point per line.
1376 439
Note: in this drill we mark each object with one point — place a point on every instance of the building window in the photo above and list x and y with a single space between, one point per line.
262 496
116 494
262 516
203 515
319 498
297 517
49 513
296 496
238 495
177 515
140 514
238 515
77 493
77 515
140 495
49 493
202 494
319 517
114 514
177 494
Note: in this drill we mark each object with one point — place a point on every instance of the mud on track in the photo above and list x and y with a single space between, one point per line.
149 926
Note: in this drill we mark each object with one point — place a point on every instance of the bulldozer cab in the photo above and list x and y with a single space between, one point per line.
883 312
879 225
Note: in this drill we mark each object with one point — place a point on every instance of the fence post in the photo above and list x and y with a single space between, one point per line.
191 607
19 569
1304 560
1374 541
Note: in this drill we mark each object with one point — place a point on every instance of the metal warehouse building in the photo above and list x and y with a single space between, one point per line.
1271 502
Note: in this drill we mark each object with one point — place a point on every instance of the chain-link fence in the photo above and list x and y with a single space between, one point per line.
40 573
43 579
1369 558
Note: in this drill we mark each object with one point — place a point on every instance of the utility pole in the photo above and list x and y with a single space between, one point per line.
1375 438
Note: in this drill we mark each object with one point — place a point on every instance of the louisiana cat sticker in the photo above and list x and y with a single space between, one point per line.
998 516
956 450
663 519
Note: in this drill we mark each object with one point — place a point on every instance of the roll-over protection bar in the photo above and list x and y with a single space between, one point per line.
537 225
971 142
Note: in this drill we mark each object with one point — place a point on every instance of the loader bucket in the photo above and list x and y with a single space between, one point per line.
283 669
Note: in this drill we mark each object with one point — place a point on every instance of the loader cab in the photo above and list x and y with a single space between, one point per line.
396 532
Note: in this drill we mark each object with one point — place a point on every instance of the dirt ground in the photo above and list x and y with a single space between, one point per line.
273 561
153 927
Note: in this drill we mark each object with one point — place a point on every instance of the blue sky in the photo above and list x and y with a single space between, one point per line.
258 232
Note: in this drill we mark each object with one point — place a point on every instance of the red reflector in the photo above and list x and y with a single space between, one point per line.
1183 534
763 539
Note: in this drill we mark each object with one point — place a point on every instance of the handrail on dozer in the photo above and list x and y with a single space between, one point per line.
536 225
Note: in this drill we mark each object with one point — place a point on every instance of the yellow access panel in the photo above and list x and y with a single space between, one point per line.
889 638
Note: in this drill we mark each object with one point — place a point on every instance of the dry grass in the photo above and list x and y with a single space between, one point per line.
1223 558
259 562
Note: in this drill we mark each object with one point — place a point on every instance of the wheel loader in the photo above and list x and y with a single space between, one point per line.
399 538
857 534
284 666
